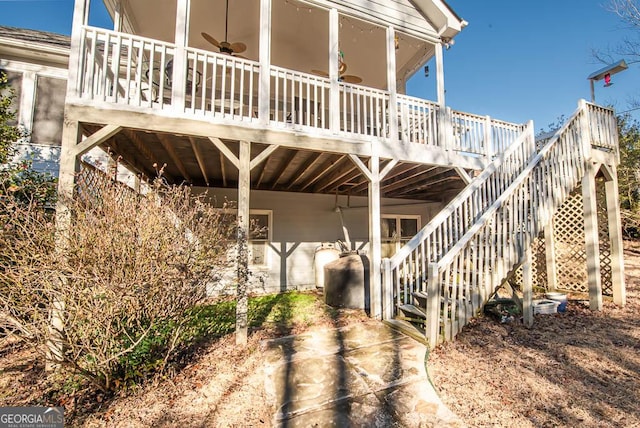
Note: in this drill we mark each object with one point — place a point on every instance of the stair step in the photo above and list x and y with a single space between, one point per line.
409 329
421 299
413 310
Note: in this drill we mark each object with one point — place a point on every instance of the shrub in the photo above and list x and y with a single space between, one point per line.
125 277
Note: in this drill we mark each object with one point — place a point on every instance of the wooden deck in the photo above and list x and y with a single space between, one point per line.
128 81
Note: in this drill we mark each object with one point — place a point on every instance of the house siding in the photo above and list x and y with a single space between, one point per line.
301 223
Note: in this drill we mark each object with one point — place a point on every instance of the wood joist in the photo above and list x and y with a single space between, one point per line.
213 162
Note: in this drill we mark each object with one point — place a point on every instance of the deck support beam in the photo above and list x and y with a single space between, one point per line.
375 177
527 287
591 236
615 235
244 190
69 166
550 256
244 164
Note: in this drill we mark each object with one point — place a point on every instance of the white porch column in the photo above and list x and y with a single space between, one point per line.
117 18
179 67
591 237
550 256
334 51
440 75
244 184
375 236
391 83
80 18
615 235
265 62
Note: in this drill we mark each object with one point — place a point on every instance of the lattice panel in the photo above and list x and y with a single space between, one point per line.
91 182
603 237
571 257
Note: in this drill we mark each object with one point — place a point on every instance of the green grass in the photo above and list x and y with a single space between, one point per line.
281 311
207 322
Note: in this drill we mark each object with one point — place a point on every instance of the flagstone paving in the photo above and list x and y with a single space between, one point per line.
362 375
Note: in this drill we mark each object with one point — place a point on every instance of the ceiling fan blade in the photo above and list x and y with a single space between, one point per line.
320 73
238 56
211 40
350 79
238 47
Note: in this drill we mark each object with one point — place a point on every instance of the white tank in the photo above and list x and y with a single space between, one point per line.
325 253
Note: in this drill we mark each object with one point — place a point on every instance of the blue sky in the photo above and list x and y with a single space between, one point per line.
515 61
523 60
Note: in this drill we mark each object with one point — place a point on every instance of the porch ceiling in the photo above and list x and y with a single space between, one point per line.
300 35
199 162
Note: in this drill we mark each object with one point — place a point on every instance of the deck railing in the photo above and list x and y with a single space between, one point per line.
364 111
122 68
135 71
225 86
299 99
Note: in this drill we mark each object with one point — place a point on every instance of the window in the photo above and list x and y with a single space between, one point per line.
49 110
397 230
259 237
14 80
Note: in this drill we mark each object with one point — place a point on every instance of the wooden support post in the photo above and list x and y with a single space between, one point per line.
244 183
387 289
488 139
375 236
527 288
591 237
433 305
334 51
179 66
440 75
615 236
585 133
117 17
265 62
550 256
69 166
391 83
80 18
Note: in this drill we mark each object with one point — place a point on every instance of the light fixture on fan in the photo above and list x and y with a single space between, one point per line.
225 47
342 68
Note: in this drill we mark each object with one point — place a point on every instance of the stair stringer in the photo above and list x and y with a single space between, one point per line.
465 277
489 239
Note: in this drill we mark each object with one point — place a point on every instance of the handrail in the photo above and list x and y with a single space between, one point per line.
448 257
464 277
438 222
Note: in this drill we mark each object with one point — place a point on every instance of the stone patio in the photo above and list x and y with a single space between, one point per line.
365 374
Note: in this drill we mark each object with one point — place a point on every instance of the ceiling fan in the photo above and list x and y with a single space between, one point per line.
225 47
342 68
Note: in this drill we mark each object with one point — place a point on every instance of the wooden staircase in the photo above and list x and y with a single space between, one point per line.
443 276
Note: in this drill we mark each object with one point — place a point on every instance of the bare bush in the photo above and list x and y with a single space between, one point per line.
127 277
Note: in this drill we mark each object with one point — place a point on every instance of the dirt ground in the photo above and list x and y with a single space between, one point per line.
580 368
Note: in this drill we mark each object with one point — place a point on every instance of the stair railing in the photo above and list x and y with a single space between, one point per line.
462 280
409 265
